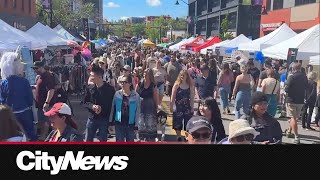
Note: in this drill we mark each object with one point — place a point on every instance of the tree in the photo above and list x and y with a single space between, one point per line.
65 15
224 34
157 28
138 29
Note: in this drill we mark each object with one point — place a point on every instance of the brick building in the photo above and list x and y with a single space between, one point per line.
299 15
20 14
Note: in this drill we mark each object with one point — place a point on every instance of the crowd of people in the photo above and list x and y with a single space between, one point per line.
125 89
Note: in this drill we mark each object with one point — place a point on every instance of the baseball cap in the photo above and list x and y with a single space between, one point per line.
37 64
58 108
127 67
198 122
258 97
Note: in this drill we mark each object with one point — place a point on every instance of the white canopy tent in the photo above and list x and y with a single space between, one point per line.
213 47
65 34
315 60
282 33
176 47
307 43
47 34
234 43
11 38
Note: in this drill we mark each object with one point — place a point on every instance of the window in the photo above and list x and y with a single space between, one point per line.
22 5
268 5
29 6
302 2
278 4
14 4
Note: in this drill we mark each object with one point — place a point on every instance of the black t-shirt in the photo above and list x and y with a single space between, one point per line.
125 110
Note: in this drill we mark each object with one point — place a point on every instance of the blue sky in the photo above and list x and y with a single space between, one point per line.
117 9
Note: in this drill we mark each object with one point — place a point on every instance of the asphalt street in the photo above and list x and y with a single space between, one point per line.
306 136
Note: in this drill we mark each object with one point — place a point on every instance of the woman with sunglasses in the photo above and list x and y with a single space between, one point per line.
148 91
240 132
209 108
125 110
258 118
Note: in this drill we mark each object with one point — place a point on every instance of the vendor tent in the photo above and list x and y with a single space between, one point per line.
213 47
196 42
176 47
47 34
163 45
307 43
11 38
282 33
65 34
315 60
211 42
148 43
233 44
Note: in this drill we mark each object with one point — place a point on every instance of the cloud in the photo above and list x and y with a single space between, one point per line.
112 5
153 2
124 18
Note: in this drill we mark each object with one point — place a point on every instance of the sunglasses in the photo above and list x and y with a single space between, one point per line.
123 82
197 135
246 137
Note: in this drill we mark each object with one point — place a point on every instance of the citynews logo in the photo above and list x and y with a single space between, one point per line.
42 161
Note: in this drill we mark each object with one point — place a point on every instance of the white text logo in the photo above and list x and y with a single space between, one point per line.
42 161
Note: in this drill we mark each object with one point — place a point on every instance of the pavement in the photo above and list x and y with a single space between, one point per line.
306 136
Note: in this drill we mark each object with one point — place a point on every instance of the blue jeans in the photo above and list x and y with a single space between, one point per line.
26 120
92 127
124 133
242 100
224 94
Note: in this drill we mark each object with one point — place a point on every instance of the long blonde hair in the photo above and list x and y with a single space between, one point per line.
179 79
8 124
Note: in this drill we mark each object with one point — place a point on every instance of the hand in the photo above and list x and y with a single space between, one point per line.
233 97
111 129
171 108
45 107
98 109
265 142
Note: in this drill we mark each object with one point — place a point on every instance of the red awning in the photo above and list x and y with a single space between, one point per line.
198 41
269 29
213 41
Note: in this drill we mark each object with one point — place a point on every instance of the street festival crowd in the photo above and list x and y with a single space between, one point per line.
123 89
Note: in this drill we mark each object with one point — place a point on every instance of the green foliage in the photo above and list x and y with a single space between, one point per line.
224 34
138 29
64 15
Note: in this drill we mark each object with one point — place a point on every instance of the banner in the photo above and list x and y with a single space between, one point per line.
86 30
292 56
247 2
132 161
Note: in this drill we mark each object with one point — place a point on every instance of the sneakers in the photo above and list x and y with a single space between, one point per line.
296 140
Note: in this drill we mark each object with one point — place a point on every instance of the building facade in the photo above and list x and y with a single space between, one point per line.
207 15
136 20
20 14
98 10
299 15
152 18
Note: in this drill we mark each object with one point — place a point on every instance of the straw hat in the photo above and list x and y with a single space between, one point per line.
241 127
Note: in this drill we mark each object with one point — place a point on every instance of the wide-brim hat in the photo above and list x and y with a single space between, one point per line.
241 127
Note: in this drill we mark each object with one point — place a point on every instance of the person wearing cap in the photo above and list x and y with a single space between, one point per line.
199 130
126 70
65 129
107 76
258 118
16 92
45 90
240 132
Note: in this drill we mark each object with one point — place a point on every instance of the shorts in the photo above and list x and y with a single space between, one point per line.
169 90
161 89
41 116
294 110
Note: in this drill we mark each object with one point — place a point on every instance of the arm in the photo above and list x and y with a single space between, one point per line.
29 95
263 86
111 119
236 86
173 96
87 100
289 84
219 79
138 110
156 95
192 92
50 95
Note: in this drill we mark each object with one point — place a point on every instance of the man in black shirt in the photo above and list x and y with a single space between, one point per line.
98 101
